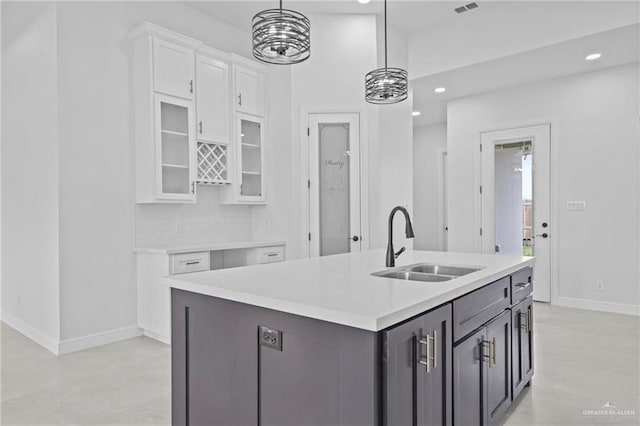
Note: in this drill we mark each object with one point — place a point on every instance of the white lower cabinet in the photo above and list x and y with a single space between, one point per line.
154 294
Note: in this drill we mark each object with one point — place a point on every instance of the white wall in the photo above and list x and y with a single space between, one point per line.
333 80
498 29
391 170
428 144
89 218
30 184
97 181
594 140
278 219
344 50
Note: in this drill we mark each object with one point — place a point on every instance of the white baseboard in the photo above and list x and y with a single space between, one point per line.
158 337
32 333
594 305
98 339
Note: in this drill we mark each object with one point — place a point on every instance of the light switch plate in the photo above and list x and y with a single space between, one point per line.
576 206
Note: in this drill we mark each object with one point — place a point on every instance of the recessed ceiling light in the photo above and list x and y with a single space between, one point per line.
440 89
415 113
363 1
593 56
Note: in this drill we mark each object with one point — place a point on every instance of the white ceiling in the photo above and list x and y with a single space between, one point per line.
423 20
406 15
619 46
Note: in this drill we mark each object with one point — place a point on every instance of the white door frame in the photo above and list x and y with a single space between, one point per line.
305 172
442 197
541 165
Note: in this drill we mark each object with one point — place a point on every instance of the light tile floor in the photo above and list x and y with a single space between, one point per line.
583 360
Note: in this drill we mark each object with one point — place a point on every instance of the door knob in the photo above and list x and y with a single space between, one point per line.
545 224
355 238
543 235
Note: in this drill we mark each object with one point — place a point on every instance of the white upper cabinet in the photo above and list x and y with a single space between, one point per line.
174 149
212 100
249 88
173 69
162 81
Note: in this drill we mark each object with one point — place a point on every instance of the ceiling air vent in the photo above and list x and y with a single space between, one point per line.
466 7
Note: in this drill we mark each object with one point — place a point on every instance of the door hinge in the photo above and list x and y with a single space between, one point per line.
481 189
480 147
308 132
481 231
309 236
309 183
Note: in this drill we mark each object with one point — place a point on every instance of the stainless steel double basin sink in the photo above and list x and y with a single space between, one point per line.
427 272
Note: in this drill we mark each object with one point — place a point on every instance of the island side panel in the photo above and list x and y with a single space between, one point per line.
214 362
325 374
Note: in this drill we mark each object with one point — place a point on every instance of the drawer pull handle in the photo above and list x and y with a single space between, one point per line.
522 286
272 254
194 262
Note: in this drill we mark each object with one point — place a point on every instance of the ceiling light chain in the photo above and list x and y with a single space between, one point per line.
281 36
386 85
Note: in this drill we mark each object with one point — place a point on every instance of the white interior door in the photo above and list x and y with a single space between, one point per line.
504 217
334 184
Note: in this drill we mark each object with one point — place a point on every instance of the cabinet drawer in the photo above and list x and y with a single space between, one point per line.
521 285
476 308
269 254
189 262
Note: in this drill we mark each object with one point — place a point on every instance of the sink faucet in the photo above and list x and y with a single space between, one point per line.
408 230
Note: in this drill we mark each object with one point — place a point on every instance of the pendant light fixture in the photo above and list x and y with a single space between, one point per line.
386 85
281 36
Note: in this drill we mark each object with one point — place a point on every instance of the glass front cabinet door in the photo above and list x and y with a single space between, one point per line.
250 159
175 149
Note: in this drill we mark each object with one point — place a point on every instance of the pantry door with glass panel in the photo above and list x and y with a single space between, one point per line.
334 184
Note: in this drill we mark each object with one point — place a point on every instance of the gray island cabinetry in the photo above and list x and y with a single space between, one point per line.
239 360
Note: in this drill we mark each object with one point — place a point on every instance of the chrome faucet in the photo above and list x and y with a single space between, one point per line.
408 230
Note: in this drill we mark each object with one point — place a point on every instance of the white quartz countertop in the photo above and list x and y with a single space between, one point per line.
340 289
208 247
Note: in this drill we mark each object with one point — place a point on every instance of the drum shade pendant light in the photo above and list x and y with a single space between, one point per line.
281 36
386 85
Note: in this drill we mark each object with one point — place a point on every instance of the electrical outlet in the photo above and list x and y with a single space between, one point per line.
600 285
271 338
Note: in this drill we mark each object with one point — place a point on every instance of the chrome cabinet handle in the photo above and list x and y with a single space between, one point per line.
240 99
193 187
425 361
492 352
200 126
195 262
523 320
191 86
526 316
435 349
432 351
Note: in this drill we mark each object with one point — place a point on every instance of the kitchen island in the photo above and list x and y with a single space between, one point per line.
323 342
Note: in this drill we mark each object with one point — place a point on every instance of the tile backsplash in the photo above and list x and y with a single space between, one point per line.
207 221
